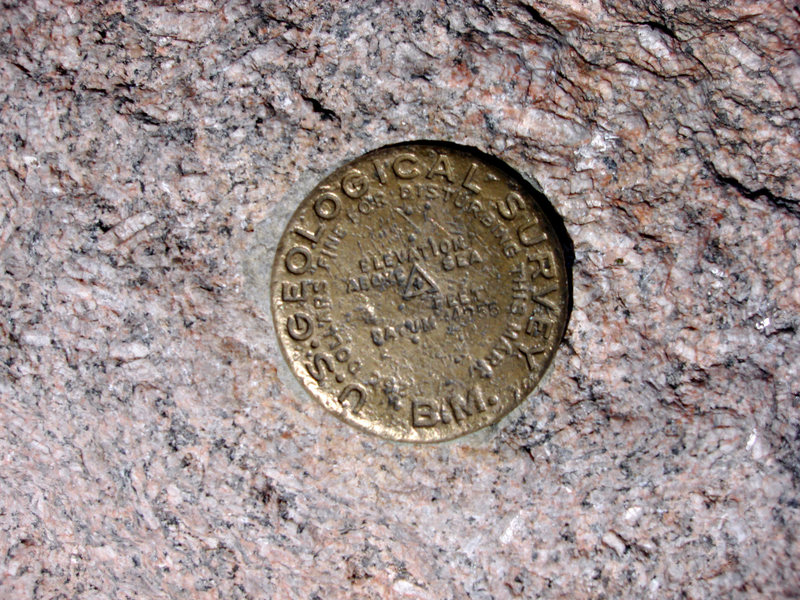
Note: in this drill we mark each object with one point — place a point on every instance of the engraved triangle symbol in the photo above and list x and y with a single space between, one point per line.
418 283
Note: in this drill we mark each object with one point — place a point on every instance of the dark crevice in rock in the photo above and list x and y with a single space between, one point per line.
790 205
541 20
326 114
662 28
142 116
21 68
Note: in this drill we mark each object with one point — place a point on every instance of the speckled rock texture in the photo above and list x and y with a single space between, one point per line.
149 447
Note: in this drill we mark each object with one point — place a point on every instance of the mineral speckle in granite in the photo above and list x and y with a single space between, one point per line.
148 446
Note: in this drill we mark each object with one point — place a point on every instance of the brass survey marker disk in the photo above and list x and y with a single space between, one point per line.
419 292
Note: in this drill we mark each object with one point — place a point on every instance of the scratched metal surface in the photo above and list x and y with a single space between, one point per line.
419 292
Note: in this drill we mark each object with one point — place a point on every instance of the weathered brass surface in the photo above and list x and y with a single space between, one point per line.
419 292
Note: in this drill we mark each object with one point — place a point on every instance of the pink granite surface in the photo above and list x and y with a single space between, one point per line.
149 447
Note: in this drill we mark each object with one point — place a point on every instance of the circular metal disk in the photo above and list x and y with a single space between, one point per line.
419 292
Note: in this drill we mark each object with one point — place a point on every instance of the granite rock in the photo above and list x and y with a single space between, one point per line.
151 448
